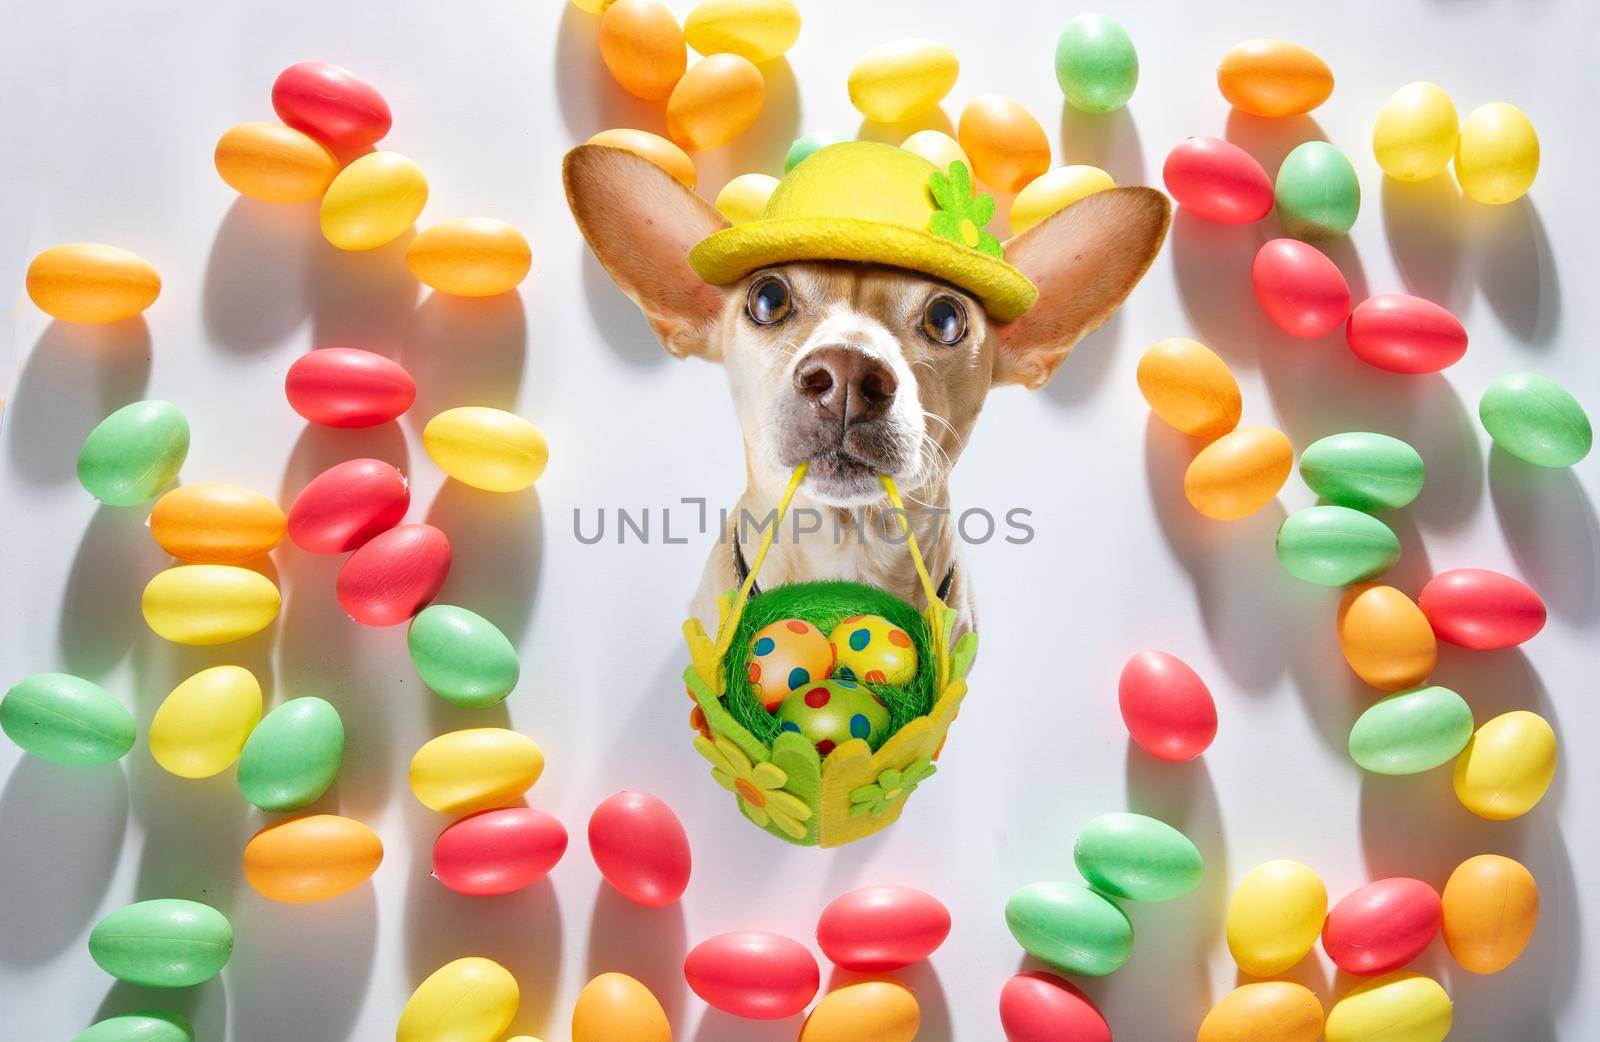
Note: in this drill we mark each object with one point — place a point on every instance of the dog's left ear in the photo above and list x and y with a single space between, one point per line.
1085 260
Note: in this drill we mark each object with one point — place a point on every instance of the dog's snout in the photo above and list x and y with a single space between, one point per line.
847 385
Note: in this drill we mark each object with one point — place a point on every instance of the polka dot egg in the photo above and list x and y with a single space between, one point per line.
833 712
875 650
785 656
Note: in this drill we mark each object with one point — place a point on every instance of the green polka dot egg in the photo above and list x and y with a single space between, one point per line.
832 712
784 657
874 650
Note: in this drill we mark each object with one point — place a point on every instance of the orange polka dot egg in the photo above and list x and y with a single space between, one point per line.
874 650
785 656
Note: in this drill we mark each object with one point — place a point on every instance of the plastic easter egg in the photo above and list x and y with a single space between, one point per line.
498 851
1299 288
332 104
1497 154
936 147
1275 916
66 719
1096 65
744 199
1007 145
1535 420
642 44
1040 1007
1336 546
1137 857
872 649
806 144
832 712
462 656
165 943
475 769
1411 731
1167 708
1381 926
311 858
752 974
134 453
1279 1010
879 928
785 656
1385 637
491 449
715 101
348 387
1316 194
151 1025
1273 78
759 30
653 147
1405 334
394 575
91 282
1491 907
274 163
468 1000
201 727
1507 767
1070 927
373 201
1239 473
616 1008
215 524
1190 387
640 848
209 603
1480 609
1416 132
871 1011
1217 180
470 257
293 755
1055 190
902 80
1402 1007
1363 471
346 505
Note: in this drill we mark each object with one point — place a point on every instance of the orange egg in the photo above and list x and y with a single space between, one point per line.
1007 145
642 44
1385 637
653 147
1491 906
274 163
1273 78
715 102
1239 473
311 858
215 524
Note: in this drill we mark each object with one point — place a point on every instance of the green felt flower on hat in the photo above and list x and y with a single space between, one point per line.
893 784
961 215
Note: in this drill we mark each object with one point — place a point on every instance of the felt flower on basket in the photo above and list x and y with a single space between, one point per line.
893 784
759 786
961 215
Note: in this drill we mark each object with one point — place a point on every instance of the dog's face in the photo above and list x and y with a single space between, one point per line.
858 369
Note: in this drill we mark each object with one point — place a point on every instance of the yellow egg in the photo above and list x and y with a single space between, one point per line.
1497 154
1400 1007
470 257
1385 637
871 1011
202 725
1239 473
209 523
91 282
1278 1010
1491 906
1415 135
1275 916
486 448
311 858
1507 766
1190 387
209 603
469 1000
936 147
642 44
590 6
759 30
653 147
616 1008
373 201
475 769
715 101
1055 190
274 163
744 199
1007 145
902 80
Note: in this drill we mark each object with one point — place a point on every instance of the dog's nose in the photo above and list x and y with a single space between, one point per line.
847 385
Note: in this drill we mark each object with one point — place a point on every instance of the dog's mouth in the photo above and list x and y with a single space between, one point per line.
844 472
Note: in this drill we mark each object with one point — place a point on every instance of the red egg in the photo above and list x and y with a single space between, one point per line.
1405 334
1041 1007
878 928
1382 926
1218 181
1477 608
761 976
1299 288
332 104
346 505
498 851
394 575
344 387
640 848
1167 707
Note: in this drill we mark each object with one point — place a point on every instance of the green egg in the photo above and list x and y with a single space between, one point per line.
1411 731
151 1025
809 143
462 656
66 719
1096 64
1363 471
1070 927
134 453
1536 420
1317 193
1138 858
1336 546
292 756
165 943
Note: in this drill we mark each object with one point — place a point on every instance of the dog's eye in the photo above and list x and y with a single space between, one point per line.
944 320
768 301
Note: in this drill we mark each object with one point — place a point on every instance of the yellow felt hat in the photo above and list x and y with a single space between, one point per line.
875 203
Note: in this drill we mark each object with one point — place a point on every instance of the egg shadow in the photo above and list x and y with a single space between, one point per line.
362 298
647 944
895 133
299 949
1211 267
1549 525
1270 140
1108 140
497 546
1424 224
589 99
465 351
1516 269
205 1006
100 618
256 289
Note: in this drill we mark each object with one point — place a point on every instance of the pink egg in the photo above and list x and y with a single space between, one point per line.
761 976
344 387
1405 334
1217 180
1041 1007
878 928
346 505
332 104
1299 288
394 575
1477 608
1382 926
640 848
1167 707
498 851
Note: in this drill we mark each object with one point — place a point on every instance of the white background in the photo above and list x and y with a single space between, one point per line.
110 111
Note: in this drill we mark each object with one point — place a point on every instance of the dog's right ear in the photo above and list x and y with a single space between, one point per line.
641 222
